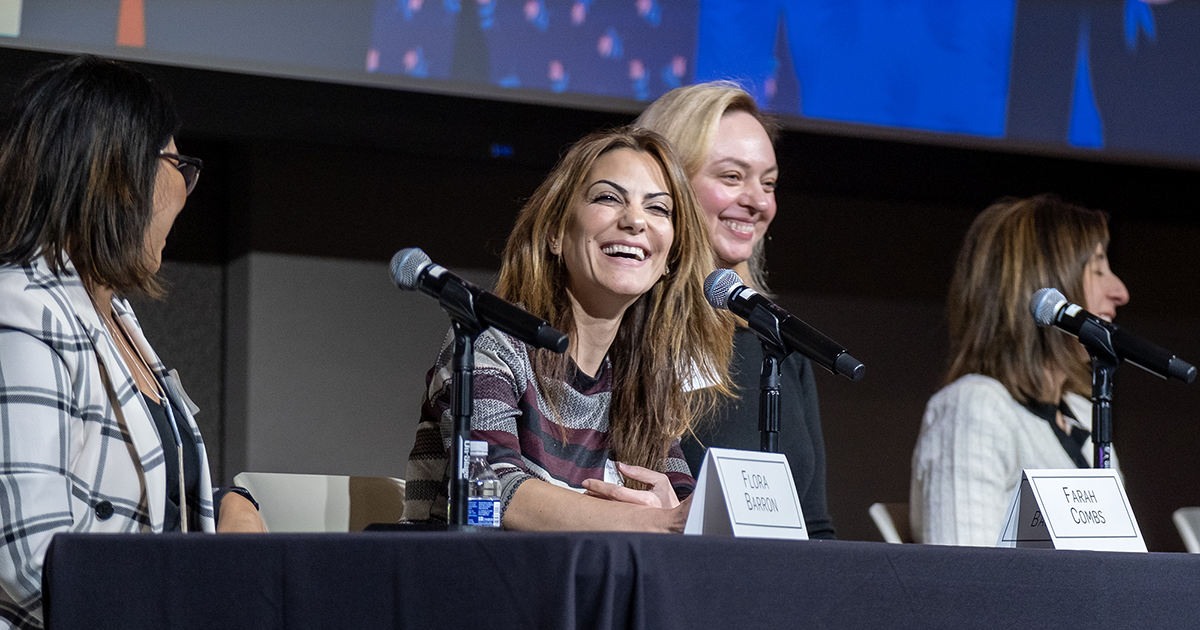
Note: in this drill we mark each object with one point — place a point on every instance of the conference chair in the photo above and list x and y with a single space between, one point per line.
291 502
1187 521
892 521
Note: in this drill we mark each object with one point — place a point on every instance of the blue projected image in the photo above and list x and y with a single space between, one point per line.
938 66
637 49
1080 73
1094 75
1086 130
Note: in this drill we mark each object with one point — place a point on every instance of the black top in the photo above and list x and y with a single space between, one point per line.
800 439
1071 442
191 466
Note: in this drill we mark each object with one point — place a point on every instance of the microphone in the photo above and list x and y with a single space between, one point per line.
412 270
725 290
1051 308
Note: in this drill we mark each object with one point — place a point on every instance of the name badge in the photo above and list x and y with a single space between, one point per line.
746 494
1084 508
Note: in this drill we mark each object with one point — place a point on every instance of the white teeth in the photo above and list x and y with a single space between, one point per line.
739 227
636 252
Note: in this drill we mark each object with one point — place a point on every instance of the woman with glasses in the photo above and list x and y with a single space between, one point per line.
97 435
612 250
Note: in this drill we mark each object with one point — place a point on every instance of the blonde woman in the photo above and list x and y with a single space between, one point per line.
727 148
611 250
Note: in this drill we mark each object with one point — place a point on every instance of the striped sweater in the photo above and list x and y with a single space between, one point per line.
511 413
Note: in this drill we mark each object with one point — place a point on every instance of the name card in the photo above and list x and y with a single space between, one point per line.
1084 508
746 494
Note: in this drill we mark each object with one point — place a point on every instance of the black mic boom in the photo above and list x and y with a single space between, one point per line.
1051 308
412 270
725 290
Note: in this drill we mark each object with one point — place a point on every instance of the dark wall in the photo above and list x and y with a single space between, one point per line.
862 248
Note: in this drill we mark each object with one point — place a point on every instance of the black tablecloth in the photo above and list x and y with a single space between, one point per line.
524 580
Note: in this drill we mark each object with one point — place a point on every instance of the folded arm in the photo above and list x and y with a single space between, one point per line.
537 505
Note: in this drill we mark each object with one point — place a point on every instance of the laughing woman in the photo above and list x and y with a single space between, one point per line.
613 251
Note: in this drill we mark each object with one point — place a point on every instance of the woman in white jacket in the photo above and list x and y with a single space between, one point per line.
1016 394
96 435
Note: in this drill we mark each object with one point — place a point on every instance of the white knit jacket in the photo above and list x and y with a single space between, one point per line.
975 441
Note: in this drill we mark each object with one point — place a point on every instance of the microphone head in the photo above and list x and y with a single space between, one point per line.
719 287
407 266
1045 305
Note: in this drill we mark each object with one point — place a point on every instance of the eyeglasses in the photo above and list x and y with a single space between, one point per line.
189 167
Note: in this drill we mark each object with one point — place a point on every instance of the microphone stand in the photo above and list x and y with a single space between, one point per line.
1098 341
459 303
768 397
774 351
462 406
766 326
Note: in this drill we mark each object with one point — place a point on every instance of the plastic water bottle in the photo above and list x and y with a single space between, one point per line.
483 494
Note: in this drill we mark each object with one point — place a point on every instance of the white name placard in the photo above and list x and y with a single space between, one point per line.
1084 508
746 494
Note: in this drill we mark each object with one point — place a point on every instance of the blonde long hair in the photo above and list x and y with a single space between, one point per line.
1015 247
688 117
668 337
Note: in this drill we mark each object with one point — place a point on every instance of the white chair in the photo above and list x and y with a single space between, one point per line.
892 521
291 502
1187 521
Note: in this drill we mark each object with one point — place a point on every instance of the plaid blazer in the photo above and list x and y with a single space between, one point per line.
79 451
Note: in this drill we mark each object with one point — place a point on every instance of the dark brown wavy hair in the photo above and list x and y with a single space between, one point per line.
1014 248
78 164
667 339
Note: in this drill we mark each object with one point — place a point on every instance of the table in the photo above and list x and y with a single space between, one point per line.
591 580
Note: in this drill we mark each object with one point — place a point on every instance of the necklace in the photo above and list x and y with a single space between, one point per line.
117 332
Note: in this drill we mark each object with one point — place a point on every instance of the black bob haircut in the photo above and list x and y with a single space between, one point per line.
78 164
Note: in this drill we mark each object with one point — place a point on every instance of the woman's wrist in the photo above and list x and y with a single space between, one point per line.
664 520
239 514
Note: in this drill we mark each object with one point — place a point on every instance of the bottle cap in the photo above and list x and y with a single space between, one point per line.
478 448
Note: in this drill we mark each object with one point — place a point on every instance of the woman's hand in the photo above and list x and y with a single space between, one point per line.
540 506
660 494
238 515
